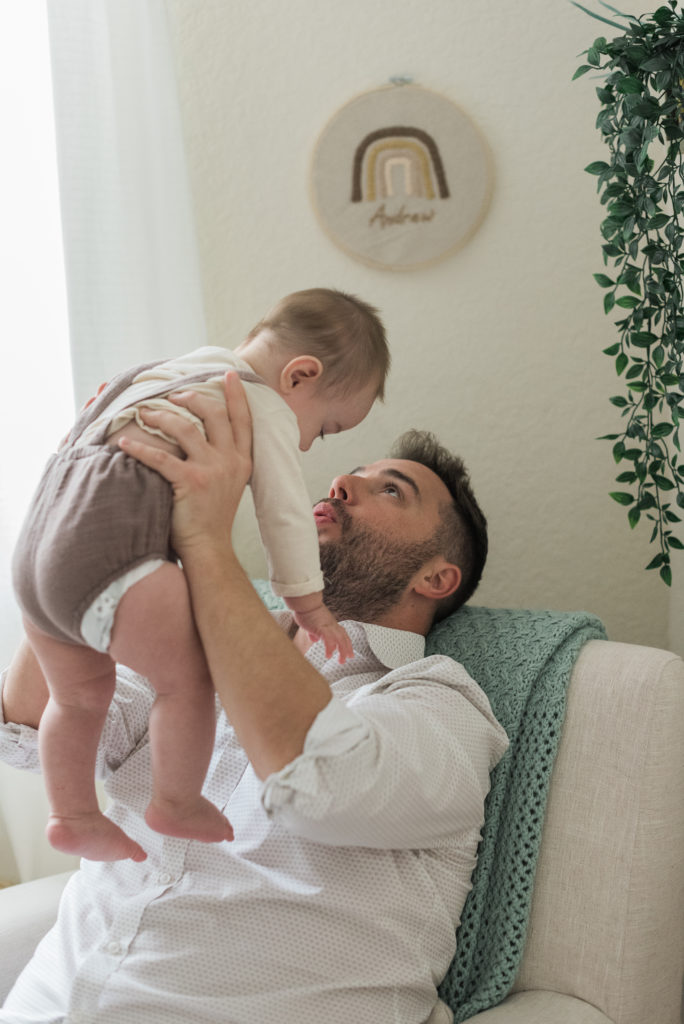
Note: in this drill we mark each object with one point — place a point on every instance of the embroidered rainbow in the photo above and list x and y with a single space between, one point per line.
397 160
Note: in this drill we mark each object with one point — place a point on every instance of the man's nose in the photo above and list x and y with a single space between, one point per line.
341 488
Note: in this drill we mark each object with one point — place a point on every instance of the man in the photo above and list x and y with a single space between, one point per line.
356 792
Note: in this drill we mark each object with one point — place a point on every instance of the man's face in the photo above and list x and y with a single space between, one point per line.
378 527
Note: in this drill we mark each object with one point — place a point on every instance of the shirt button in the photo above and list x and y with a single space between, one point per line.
114 948
164 878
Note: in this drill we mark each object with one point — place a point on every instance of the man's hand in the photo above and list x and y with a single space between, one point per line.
209 482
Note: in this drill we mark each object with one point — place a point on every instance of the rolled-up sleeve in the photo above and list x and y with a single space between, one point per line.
403 764
125 728
18 743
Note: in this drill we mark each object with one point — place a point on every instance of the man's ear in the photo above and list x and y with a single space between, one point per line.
438 579
300 370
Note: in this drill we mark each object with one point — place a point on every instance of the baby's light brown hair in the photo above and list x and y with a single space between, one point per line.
341 330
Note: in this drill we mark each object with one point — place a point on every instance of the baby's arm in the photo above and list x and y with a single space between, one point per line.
312 615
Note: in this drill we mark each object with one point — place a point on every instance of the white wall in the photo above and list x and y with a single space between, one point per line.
498 348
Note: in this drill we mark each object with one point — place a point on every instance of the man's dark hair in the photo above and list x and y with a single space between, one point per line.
464 527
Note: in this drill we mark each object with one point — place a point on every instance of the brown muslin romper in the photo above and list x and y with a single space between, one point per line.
97 513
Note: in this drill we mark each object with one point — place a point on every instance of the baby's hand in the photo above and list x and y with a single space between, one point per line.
320 624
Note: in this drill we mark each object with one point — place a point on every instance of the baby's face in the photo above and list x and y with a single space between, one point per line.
320 412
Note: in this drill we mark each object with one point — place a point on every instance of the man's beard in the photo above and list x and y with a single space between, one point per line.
365 573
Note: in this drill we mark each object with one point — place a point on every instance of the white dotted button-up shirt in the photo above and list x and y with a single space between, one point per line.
338 899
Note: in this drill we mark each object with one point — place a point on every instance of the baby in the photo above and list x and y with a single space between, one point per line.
99 583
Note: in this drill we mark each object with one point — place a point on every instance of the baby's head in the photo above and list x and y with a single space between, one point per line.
326 353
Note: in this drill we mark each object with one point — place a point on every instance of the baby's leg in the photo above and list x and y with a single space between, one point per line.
154 633
81 684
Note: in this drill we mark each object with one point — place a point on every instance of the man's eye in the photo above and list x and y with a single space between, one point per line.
391 489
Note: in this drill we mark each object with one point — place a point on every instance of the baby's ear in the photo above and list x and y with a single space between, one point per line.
300 370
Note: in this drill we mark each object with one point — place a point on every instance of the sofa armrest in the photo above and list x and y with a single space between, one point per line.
607 919
27 912
540 1008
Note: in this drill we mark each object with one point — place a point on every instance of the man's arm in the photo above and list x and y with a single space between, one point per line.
25 692
270 693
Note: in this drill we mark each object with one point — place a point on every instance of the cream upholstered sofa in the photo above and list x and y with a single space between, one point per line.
605 941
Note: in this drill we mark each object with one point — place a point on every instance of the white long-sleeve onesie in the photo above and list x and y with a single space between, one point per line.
281 500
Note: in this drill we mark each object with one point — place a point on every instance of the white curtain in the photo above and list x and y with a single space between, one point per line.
130 247
130 253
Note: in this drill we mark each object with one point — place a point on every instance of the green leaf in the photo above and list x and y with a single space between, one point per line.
620 14
593 56
598 17
582 70
658 356
675 542
619 401
626 478
655 64
604 281
655 562
662 430
648 109
633 515
620 363
612 350
608 302
628 302
663 16
620 208
647 501
666 575
621 497
629 86
619 451
611 250
628 228
664 484
639 387
642 339
659 220
663 80
598 167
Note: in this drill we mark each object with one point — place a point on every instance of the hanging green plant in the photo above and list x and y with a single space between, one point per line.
641 120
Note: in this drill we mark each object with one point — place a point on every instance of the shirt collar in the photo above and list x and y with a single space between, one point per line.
392 647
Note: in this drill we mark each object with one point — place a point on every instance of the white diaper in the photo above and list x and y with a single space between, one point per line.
97 623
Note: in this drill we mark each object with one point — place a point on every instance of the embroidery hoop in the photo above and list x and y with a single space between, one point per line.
400 177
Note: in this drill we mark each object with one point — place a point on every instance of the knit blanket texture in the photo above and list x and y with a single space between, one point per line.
523 660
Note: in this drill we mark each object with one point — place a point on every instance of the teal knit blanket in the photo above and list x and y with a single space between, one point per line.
523 661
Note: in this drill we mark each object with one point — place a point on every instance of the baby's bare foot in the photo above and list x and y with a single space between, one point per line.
199 820
92 836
